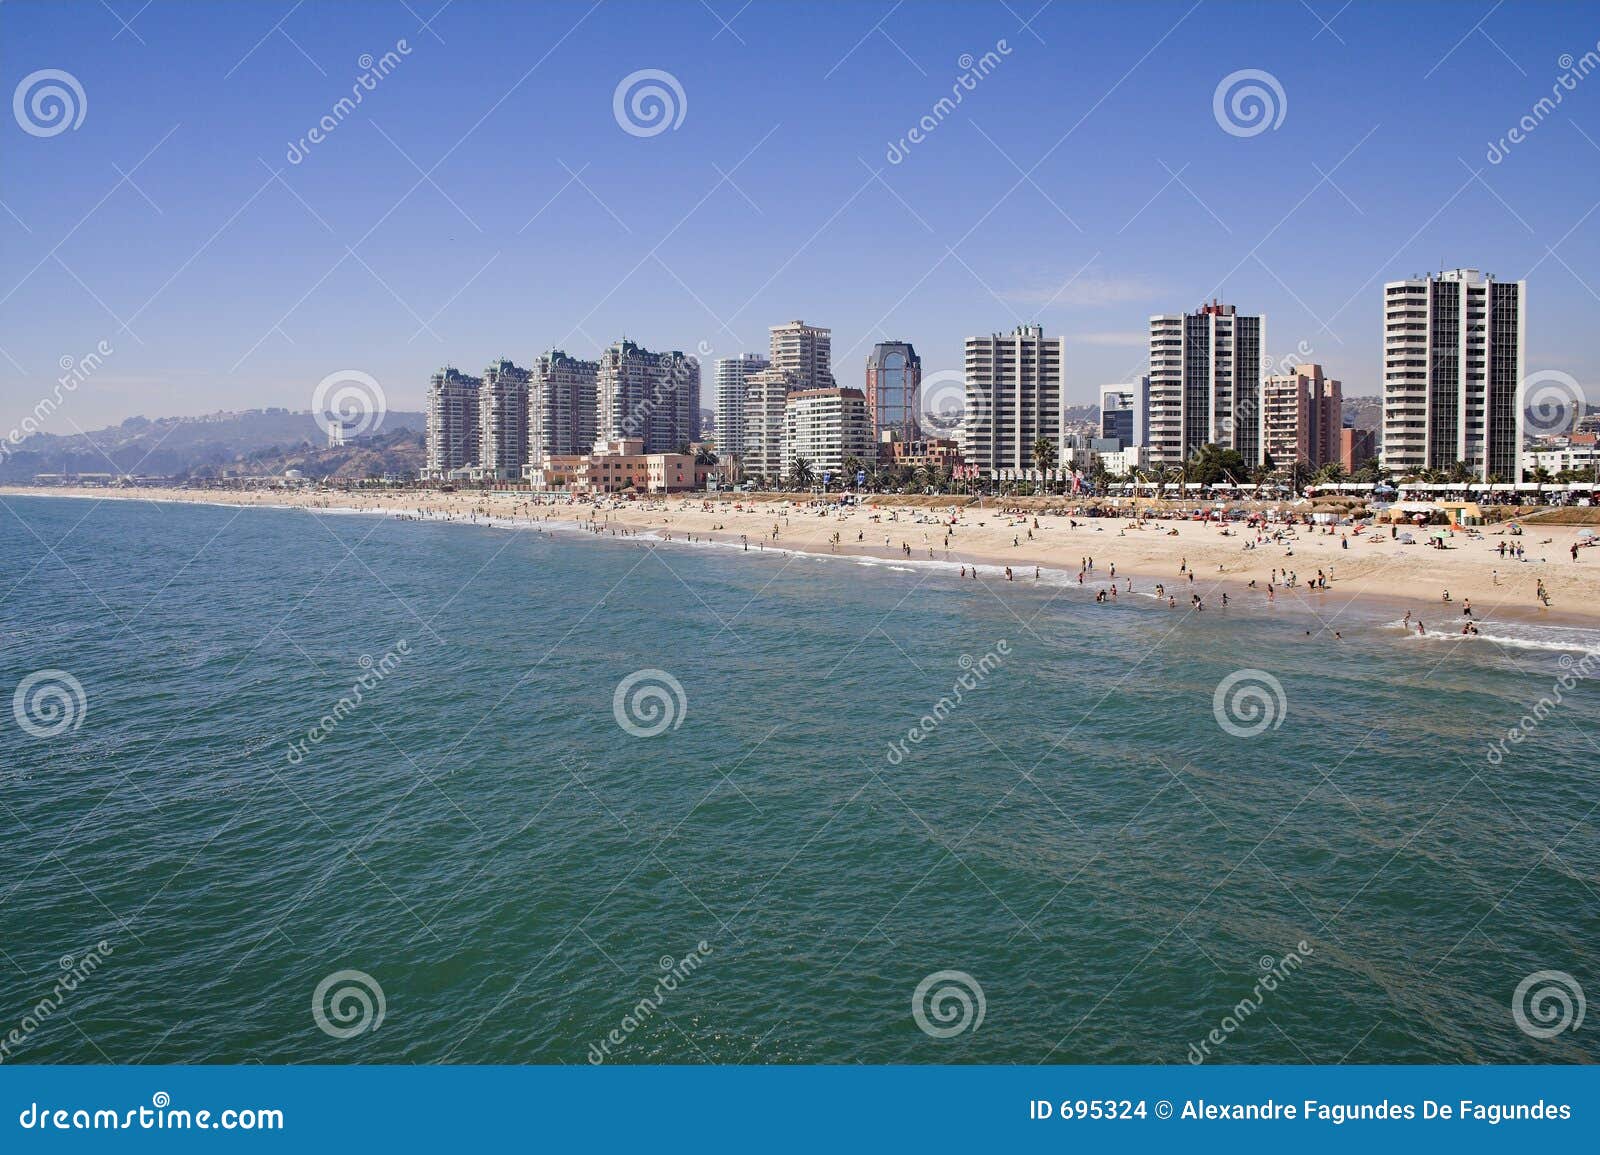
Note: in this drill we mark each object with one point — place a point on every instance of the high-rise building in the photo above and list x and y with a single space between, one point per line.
562 407
453 441
1356 448
1205 383
731 373
1013 398
827 427
503 421
653 396
894 389
1452 373
1302 413
1125 413
765 399
805 351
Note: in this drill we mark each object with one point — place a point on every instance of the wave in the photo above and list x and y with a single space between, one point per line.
1516 635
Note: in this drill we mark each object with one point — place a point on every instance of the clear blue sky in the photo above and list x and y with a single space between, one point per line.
232 289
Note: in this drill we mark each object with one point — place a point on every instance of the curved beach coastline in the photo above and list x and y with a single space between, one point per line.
1184 558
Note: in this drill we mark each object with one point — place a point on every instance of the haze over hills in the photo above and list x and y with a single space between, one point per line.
256 442
266 442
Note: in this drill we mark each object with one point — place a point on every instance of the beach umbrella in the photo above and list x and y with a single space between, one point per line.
1586 533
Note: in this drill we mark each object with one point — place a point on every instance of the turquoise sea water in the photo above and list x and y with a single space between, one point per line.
479 836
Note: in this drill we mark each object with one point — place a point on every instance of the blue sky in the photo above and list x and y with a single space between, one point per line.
1085 182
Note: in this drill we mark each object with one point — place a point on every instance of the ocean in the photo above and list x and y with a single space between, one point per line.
288 787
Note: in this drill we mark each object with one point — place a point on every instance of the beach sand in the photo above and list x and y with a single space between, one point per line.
1369 566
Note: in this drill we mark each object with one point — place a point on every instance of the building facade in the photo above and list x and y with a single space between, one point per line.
453 439
652 396
1302 413
617 466
1356 448
1013 398
765 404
894 389
503 422
1205 383
804 351
1125 413
1452 373
563 406
731 374
827 427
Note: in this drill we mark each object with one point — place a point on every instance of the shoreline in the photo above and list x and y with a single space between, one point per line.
1362 571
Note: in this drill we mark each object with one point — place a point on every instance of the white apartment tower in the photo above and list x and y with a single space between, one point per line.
805 351
562 407
827 427
653 396
1013 398
453 441
765 409
731 374
503 421
1452 373
1205 383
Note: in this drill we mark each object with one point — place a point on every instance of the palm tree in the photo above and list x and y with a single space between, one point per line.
1044 455
801 473
853 468
705 456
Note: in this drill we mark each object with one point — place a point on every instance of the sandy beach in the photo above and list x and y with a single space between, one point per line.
1186 558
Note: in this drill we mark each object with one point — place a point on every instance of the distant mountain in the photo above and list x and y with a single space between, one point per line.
193 446
1363 412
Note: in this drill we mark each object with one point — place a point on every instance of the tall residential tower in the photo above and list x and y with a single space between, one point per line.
1452 373
1205 383
1013 398
731 375
894 390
